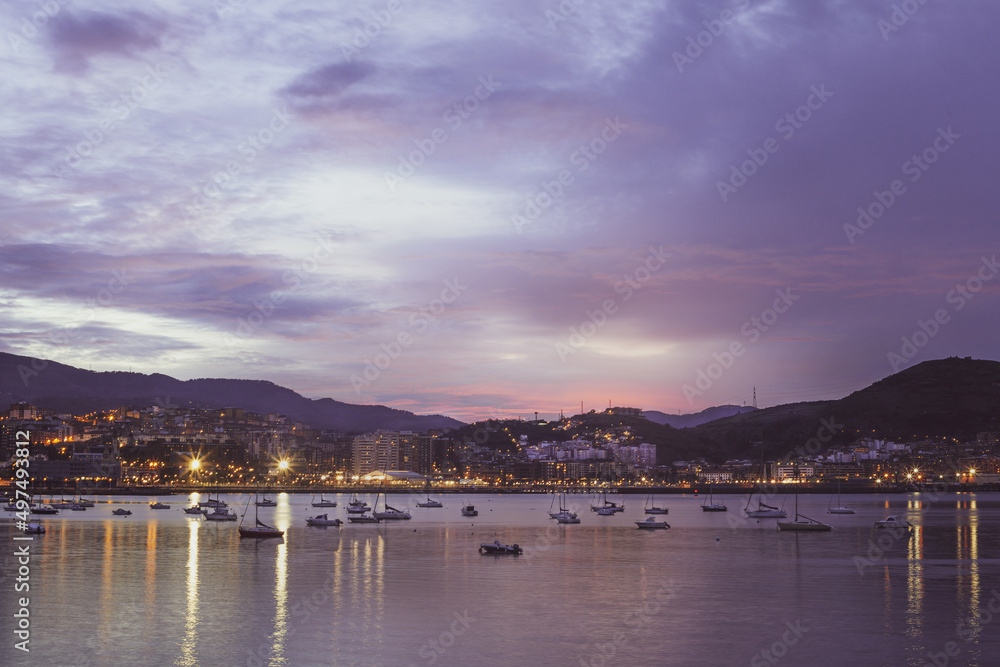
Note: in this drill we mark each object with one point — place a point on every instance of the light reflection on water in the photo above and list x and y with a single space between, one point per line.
189 642
166 588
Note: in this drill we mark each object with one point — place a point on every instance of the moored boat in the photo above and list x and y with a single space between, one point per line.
500 549
195 509
159 506
221 514
649 523
323 502
34 528
711 506
121 512
259 529
803 523
469 510
322 520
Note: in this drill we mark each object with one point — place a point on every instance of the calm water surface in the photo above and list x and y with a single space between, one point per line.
164 588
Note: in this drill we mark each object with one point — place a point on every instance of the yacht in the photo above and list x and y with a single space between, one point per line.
763 511
44 509
323 502
221 514
653 509
195 509
159 506
803 523
713 506
430 503
259 529
323 520
500 549
891 521
649 523
121 511
840 509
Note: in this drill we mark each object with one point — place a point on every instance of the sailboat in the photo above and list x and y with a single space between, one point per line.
430 503
356 506
653 509
840 509
390 513
266 502
607 507
803 523
259 529
763 511
563 511
323 502
713 506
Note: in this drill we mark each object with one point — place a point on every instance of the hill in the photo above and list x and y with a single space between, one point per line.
49 384
940 398
697 418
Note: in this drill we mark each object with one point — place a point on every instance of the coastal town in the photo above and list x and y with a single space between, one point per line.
170 447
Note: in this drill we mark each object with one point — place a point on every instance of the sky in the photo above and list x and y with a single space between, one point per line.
492 209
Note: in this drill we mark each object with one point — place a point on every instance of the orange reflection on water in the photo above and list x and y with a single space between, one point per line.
189 656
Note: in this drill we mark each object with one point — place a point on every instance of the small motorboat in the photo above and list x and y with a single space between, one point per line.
77 507
159 506
122 512
323 520
500 549
83 502
470 510
607 511
650 523
44 509
363 518
221 514
568 518
195 509
892 521
34 528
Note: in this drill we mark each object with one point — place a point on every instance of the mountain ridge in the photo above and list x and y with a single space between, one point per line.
51 384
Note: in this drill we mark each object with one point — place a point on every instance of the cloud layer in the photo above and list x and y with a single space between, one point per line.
497 210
